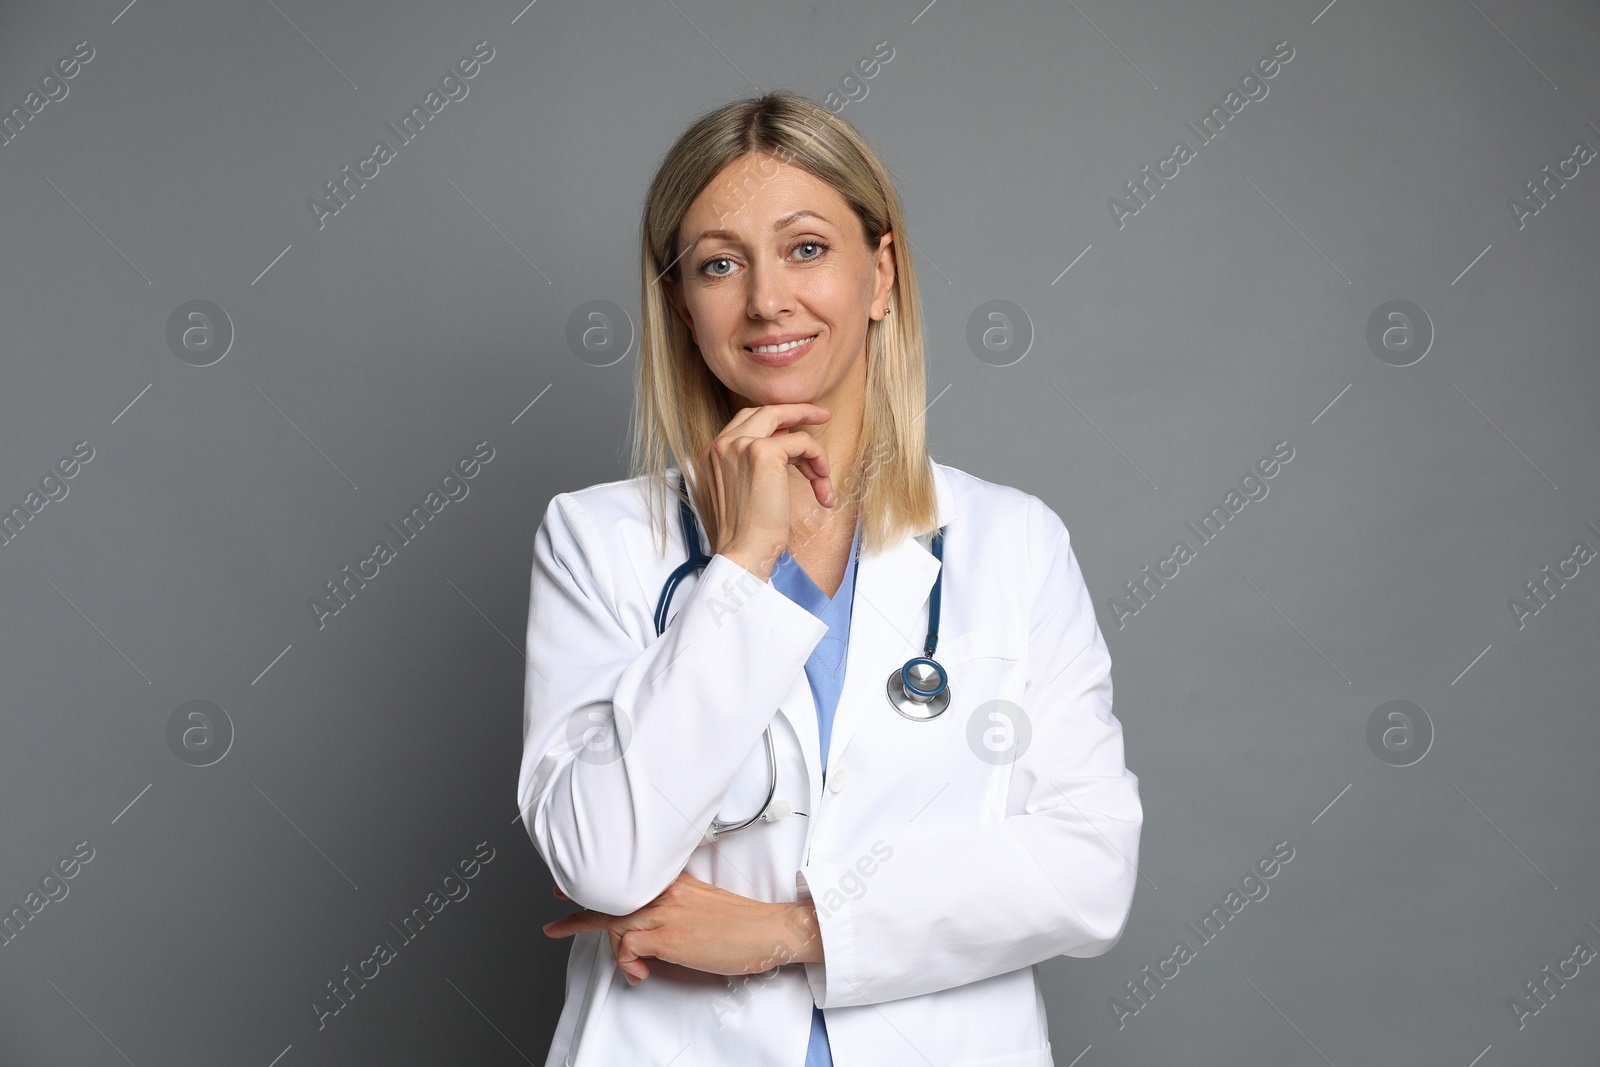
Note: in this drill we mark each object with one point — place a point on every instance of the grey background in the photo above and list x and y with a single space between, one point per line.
372 755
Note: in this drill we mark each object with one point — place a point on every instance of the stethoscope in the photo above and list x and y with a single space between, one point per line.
919 691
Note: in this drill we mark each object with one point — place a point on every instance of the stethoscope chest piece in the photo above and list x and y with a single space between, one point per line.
920 690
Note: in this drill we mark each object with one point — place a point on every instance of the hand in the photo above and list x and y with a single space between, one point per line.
698 925
748 464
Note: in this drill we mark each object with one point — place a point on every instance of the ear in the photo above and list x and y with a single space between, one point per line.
885 273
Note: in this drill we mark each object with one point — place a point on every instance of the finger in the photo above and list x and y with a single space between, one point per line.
813 465
821 482
767 423
766 420
627 949
808 456
576 923
633 969
559 894
799 450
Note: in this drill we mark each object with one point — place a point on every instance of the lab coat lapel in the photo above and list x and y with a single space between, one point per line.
888 624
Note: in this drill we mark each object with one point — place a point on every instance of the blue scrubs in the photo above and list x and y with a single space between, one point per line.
825 672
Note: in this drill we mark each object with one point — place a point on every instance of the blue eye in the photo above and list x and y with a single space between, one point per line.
821 246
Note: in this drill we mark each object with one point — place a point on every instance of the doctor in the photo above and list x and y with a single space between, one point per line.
824 748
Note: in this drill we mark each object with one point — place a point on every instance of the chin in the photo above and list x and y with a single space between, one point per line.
772 393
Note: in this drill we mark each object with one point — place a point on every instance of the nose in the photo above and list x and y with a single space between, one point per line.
769 291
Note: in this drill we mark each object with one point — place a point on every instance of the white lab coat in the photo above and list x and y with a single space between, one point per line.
941 871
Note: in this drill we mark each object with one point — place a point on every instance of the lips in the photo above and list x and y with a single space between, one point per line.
786 356
778 339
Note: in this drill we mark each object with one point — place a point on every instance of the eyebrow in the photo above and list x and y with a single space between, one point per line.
779 224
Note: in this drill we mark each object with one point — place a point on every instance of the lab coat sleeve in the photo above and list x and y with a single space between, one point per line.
1054 877
629 747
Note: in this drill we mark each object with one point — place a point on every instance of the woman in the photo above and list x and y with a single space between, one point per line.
915 856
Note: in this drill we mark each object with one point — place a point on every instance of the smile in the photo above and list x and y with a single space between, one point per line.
779 355
786 346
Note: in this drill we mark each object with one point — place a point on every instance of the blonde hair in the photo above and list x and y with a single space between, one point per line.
680 406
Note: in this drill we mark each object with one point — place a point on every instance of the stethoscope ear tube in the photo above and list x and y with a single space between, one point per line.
697 557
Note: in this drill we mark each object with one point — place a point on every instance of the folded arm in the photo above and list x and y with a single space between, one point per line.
629 748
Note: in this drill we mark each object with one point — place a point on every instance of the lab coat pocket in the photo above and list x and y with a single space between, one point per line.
987 724
986 683
982 668
911 774
990 642
1032 1058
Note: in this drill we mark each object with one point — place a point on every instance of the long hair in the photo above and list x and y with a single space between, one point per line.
680 405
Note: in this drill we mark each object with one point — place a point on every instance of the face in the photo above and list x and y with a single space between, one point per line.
782 258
